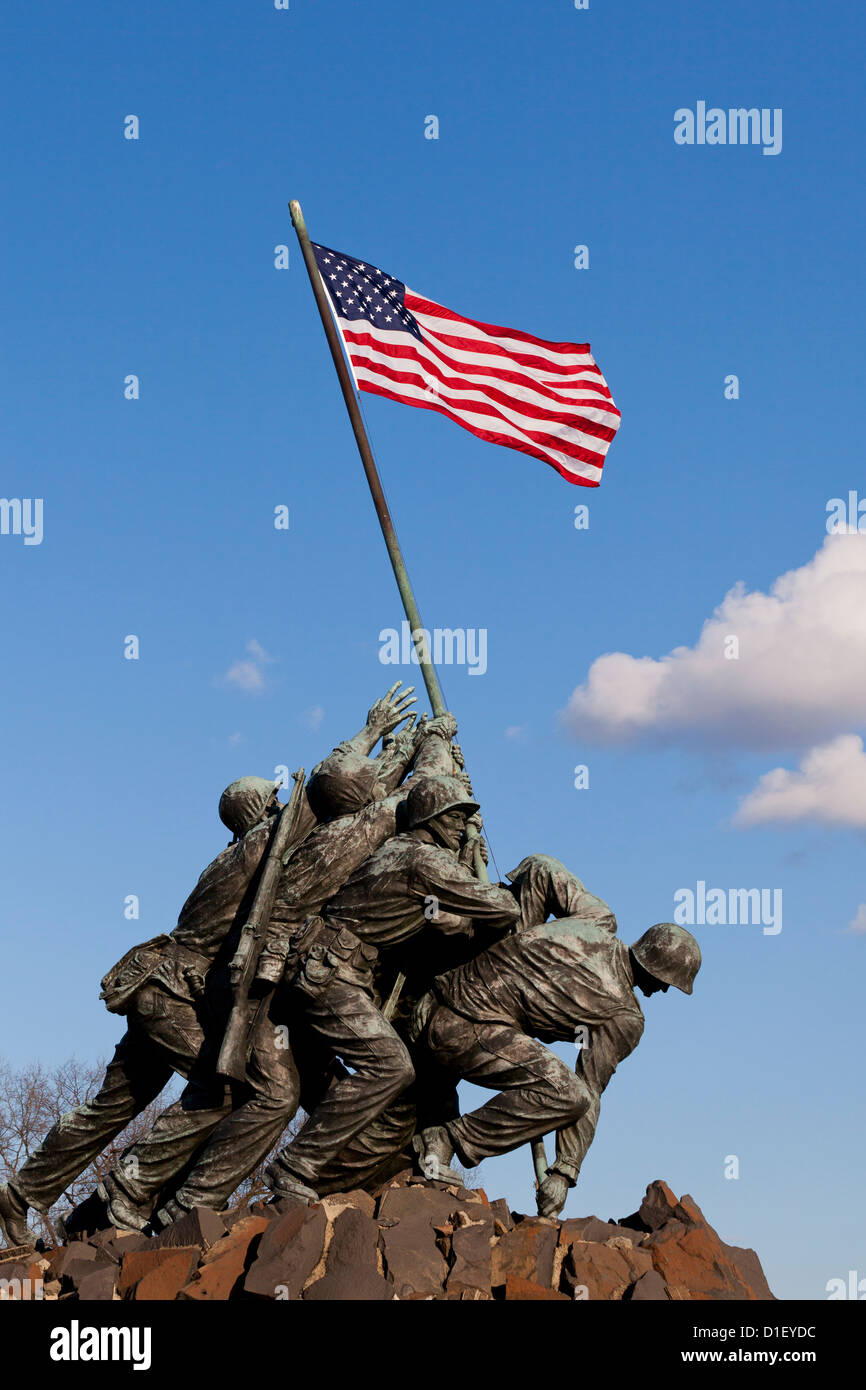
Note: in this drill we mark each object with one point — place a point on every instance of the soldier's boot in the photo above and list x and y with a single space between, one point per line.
168 1213
433 1152
13 1217
82 1221
119 1206
282 1184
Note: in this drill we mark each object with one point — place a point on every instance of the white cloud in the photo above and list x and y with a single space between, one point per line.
829 787
313 718
247 674
514 731
857 925
800 675
258 653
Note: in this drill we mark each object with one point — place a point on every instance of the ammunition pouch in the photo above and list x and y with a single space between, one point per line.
162 961
326 952
136 968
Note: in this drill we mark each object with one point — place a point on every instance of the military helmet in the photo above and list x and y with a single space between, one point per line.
344 783
670 953
243 803
432 796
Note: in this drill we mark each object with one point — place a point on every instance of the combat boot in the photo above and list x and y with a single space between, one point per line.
282 1184
13 1218
119 1208
434 1151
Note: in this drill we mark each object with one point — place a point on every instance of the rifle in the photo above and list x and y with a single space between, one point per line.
233 1053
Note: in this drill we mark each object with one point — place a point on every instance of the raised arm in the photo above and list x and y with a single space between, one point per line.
383 718
608 1044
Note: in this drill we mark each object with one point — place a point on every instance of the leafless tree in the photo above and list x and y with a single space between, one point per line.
33 1099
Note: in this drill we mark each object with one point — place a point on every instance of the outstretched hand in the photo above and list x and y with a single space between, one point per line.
551 1194
390 710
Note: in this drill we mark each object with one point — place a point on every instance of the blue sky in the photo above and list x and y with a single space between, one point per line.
156 257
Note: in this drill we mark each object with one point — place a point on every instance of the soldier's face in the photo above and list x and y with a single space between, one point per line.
448 828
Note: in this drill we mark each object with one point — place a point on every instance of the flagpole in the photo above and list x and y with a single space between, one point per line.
428 670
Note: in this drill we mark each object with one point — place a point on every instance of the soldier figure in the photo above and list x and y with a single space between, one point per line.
219 1145
487 1022
413 881
173 991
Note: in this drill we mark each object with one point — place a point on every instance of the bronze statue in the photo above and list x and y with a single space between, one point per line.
414 882
219 1145
174 993
487 1022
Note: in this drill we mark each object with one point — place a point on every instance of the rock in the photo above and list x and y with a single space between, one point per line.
696 1264
408 1217
23 1279
525 1290
660 1206
413 1241
470 1273
413 1259
116 1244
200 1227
77 1250
351 1264
590 1228
501 1213
749 1267
361 1201
99 1285
288 1252
649 1286
603 1273
223 1268
526 1252
75 1271
157 1274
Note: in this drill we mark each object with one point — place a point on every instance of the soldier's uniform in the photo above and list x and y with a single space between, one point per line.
491 1017
408 885
223 1141
174 1023
174 991
541 886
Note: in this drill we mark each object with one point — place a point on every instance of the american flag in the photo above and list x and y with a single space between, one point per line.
546 399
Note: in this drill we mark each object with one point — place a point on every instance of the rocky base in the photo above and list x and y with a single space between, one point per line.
411 1240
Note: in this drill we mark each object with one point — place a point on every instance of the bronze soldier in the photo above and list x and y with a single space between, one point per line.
219 1145
487 1022
415 880
541 886
173 992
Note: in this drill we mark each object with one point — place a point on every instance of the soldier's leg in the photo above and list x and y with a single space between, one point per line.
345 1018
537 1092
384 1147
189 1038
248 1134
134 1077
376 1154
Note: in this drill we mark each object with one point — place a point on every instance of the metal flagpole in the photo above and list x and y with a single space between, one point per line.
428 670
